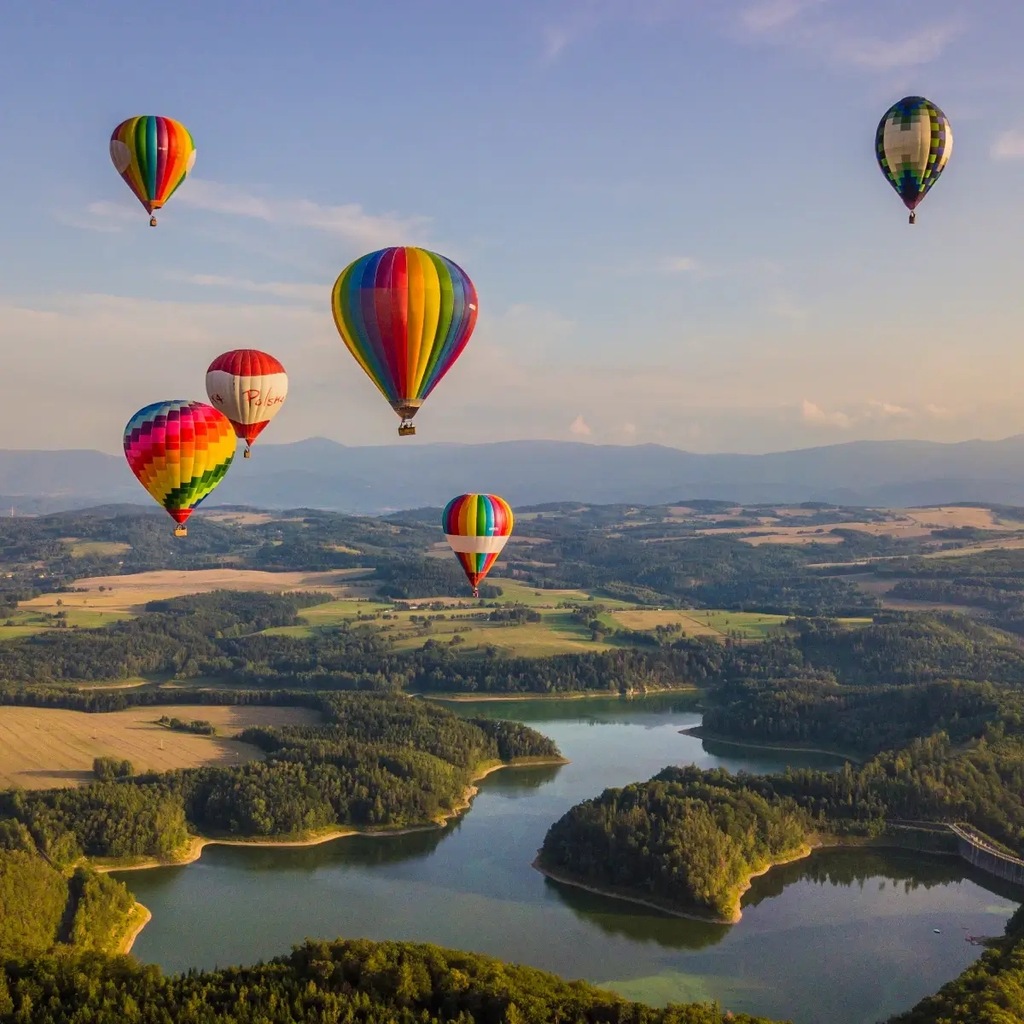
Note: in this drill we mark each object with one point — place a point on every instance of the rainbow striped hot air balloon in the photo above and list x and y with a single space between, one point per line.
913 143
405 314
153 155
249 387
179 451
477 527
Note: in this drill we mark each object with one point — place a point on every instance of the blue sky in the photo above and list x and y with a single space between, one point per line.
670 208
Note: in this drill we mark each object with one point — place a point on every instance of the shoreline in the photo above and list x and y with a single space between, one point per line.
196 844
145 915
693 913
701 733
475 698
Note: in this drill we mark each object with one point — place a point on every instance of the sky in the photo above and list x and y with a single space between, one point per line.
670 208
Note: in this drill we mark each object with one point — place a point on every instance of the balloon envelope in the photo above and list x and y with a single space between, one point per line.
405 314
912 144
477 527
179 451
249 387
153 155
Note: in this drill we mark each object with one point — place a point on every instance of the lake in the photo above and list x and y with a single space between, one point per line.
844 936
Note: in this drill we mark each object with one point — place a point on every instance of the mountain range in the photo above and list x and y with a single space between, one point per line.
318 473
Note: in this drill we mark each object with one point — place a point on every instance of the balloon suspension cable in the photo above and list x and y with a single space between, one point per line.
152 222
247 454
913 217
476 592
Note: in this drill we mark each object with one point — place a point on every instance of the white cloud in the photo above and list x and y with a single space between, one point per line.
318 294
810 412
681 264
773 14
886 410
629 429
579 427
1009 145
811 26
349 220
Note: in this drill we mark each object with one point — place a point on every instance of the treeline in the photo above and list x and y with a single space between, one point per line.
685 841
377 762
344 982
42 907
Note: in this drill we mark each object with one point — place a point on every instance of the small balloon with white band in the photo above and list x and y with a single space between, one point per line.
477 527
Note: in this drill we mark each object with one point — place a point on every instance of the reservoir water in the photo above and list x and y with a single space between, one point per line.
844 936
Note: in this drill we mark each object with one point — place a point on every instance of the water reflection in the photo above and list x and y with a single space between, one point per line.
636 922
846 936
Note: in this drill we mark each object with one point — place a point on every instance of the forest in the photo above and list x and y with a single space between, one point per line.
684 842
344 982
931 705
376 762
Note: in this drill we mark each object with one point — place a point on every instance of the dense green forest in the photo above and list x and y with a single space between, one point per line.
343 982
932 704
683 842
42 907
376 762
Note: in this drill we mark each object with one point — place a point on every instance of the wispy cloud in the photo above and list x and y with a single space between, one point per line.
813 27
349 220
306 293
577 19
681 264
1009 145
872 410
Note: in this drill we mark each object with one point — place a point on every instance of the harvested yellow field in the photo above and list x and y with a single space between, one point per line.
42 748
943 518
129 593
647 620
245 518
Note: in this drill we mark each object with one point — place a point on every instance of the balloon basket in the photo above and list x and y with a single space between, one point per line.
247 454
181 531
152 222
406 429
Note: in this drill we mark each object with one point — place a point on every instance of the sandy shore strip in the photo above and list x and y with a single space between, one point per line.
139 917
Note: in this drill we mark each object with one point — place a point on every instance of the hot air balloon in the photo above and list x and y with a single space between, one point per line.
477 526
913 143
153 155
249 387
406 314
179 451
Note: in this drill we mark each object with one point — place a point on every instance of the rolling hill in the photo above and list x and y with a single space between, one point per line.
319 473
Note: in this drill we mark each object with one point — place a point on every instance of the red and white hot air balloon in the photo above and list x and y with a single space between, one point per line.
249 387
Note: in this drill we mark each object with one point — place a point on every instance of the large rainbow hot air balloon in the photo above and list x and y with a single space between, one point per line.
405 314
477 526
912 144
153 155
179 451
249 387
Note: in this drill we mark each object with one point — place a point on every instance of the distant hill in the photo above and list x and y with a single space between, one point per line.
322 474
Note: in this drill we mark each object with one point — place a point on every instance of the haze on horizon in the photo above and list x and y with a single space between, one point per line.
670 209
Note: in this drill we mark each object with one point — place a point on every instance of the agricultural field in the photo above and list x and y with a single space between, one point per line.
784 526
84 548
43 748
128 594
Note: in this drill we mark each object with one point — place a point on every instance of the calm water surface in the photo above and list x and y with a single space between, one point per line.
845 937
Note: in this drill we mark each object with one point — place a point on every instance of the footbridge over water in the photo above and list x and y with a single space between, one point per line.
978 850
